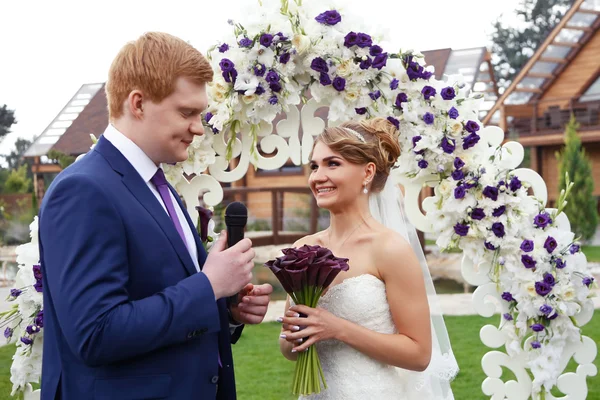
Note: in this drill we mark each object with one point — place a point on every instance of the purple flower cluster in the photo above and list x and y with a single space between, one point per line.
507 297
8 332
544 287
560 263
458 174
515 184
245 42
470 141
491 192
546 309
448 145
448 93
361 40
461 229
537 327
428 118
527 246
453 113
37 273
542 220
401 98
490 246
478 214
395 122
460 192
416 71
498 229
428 92
528 261
550 244
330 17
228 70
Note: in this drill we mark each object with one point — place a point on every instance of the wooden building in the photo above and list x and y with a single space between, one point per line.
560 79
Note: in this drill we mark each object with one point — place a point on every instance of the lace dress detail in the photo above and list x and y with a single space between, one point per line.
351 375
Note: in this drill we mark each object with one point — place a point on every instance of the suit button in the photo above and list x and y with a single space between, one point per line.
214 379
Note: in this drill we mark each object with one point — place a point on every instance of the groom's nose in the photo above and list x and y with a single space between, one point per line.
196 126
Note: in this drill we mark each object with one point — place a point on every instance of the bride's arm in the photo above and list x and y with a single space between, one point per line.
411 347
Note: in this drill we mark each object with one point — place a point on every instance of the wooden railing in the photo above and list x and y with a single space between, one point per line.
555 118
277 235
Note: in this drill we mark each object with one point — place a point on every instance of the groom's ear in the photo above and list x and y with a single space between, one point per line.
135 103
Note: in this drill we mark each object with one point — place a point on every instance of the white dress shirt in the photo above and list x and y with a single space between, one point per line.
146 168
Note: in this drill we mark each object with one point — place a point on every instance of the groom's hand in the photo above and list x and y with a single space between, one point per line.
229 270
254 301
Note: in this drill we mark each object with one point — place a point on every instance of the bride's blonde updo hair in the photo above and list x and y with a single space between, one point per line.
380 147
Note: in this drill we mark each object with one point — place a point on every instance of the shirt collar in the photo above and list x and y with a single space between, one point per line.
144 166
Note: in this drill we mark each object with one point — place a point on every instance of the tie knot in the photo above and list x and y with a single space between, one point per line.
159 178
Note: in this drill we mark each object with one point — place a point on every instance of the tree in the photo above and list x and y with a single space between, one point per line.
17 181
581 203
14 159
7 119
514 45
64 160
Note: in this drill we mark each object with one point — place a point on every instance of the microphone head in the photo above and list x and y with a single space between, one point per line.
236 214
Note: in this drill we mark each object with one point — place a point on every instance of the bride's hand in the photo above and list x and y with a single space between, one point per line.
318 325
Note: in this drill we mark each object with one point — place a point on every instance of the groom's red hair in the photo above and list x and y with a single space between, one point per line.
152 64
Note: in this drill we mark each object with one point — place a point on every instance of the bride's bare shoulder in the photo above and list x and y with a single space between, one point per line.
315 238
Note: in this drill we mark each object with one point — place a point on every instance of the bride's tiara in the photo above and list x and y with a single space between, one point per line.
357 134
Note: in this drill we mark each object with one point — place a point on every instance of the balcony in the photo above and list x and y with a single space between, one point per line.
544 122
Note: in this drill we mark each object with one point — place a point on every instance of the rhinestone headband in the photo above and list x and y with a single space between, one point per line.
356 134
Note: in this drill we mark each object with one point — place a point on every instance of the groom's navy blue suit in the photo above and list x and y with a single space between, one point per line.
126 314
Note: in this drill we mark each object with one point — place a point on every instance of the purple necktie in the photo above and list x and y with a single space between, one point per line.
160 182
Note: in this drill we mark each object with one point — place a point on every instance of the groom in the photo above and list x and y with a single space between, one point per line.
134 308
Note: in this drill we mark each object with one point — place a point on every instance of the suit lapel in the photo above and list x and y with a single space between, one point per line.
136 185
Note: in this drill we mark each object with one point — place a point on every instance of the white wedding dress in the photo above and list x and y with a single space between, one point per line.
351 375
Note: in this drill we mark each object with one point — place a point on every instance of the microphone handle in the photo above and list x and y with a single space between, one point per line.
234 235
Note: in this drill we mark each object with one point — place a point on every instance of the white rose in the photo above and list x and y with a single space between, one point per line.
344 69
351 95
249 98
456 128
301 43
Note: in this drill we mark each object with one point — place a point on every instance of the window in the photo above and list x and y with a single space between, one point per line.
593 92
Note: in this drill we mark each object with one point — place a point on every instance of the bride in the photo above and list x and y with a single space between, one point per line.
378 329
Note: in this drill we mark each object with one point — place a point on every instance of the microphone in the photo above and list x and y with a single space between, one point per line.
236 216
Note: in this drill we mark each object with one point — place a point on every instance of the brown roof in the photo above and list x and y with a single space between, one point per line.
571 21
439 59
93 119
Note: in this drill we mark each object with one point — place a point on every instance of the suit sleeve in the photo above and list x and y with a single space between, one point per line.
86 270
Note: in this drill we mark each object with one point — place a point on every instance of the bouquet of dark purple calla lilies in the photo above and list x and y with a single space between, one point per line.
305 273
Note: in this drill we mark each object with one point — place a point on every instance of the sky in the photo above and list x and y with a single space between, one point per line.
49 48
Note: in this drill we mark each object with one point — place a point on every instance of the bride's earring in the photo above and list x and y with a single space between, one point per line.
365 190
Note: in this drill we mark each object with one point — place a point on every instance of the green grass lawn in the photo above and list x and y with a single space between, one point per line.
263 374
592 253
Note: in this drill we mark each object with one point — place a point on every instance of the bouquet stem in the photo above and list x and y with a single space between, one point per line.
309 373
